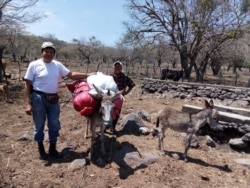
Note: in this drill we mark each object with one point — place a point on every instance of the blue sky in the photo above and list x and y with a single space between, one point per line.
81 19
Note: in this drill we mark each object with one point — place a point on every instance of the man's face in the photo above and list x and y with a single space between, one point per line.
117 68
48 54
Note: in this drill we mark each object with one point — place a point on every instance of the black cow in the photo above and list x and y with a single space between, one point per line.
171 74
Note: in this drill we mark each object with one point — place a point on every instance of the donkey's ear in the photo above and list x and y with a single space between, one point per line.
118 94
98 90
211 103
207 105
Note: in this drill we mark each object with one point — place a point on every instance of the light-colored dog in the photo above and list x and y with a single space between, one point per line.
5 91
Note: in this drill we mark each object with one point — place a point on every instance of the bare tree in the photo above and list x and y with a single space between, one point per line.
191 26
13 12
87 49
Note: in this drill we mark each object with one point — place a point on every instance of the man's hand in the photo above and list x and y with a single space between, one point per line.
28 109
124 93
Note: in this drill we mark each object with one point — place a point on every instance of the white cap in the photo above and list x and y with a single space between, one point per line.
48 45
117 62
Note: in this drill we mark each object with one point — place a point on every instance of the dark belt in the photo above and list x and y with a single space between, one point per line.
52 98
42 93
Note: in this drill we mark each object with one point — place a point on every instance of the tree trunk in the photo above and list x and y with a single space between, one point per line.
200 71
184 62
1 65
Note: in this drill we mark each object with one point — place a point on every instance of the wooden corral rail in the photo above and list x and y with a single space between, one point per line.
235 118
240 111
226 114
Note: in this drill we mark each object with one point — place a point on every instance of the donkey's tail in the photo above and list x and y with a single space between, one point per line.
157 122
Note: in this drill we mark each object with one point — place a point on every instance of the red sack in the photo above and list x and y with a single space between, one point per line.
83 102
118 106
72 86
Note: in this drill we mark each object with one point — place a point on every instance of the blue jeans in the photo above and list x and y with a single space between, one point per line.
41 110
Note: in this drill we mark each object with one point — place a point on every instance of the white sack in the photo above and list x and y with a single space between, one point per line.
103 82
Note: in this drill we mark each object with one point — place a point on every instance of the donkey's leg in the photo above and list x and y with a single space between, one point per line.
92 127
190 133
87 128
161 139
102 139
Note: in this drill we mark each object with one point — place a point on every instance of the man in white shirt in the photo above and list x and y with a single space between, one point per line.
41 87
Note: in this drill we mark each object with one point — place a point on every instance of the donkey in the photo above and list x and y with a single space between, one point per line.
102 116
185 122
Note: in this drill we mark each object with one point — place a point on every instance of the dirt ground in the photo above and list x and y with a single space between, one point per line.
21 167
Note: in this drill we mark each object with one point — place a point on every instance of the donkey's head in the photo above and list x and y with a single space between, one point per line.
210 115
106 104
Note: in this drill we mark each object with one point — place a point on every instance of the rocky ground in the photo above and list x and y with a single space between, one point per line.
132 160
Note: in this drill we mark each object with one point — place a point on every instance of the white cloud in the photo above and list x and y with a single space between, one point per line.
47 14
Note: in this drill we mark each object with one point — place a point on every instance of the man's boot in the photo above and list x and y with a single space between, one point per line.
53 152
43 154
